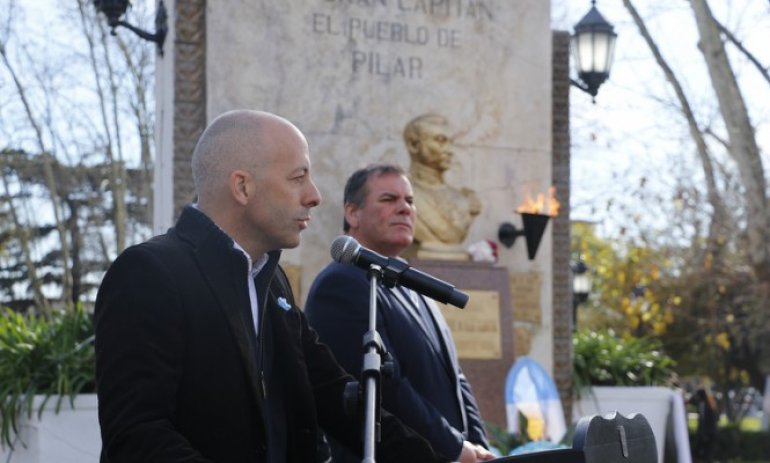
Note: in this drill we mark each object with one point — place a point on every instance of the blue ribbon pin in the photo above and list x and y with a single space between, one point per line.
283 304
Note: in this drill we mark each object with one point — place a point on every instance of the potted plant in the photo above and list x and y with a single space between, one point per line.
46 362
604 359
628 375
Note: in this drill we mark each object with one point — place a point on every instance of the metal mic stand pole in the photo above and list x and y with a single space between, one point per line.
373 368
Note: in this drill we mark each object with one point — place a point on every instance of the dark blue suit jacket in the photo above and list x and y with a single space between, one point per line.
428 390
181 376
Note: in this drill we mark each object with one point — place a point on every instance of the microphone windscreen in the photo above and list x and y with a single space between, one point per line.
344 249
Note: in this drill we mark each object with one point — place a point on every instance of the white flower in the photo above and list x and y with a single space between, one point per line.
483 251
283 304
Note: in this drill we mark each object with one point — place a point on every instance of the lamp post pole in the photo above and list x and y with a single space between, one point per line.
581 287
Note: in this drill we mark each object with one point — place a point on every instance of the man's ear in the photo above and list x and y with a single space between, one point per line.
351 215
239 186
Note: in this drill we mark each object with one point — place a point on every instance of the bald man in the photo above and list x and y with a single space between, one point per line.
201 354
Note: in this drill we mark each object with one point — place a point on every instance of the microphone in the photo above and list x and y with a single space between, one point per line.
346 250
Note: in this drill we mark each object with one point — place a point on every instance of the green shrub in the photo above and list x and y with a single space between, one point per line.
604 359
504 442
734 444
51 356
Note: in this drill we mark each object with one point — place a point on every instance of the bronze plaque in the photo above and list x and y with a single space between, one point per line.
476 329
525 290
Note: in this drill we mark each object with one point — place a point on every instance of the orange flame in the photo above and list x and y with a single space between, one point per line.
541 205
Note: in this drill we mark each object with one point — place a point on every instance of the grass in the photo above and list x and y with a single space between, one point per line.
750 423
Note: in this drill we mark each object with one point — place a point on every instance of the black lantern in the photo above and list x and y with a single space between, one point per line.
593 45
114 9
582 281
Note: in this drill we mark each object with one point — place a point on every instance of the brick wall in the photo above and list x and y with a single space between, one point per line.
189 94
562 284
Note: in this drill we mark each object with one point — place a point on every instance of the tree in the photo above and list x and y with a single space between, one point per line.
76 180
741 140
720 292
703 217
629 284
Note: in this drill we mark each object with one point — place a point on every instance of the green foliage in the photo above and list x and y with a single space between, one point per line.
630 293
89 214
500 439
722 330
604 359
708 310
51 356
734 444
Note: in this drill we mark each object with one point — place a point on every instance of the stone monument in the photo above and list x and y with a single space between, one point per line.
445 213
351 74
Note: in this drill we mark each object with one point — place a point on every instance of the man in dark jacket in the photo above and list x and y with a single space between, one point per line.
428 390
201 354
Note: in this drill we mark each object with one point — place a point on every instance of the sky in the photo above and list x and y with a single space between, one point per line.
633 133
47 47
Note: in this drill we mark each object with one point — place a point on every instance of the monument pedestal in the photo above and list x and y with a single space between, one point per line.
483 331
442 252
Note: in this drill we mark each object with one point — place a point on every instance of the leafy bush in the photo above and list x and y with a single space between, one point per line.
604 359
735 444
50 356
504 442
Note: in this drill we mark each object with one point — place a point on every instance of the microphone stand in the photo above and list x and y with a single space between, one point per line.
377 362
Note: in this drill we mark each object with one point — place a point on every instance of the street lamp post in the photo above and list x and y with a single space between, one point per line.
581 287
114 9
593 46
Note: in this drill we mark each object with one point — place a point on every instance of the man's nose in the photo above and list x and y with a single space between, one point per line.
405 207
312 197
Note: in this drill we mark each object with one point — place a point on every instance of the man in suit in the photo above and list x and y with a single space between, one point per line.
201 355
428 390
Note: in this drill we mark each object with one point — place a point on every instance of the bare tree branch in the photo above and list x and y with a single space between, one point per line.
719 216
750 56
742 139
716 137
81 136
117 178
22 233
141 112
50 178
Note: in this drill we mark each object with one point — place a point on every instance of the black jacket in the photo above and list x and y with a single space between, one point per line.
181 376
